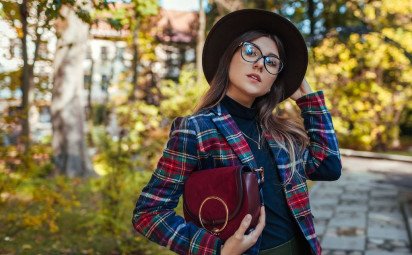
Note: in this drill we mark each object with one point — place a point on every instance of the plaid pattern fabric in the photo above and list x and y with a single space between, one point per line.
211 139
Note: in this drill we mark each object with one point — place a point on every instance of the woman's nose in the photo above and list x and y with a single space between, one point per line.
259 64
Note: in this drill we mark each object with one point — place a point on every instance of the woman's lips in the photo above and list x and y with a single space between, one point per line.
255 77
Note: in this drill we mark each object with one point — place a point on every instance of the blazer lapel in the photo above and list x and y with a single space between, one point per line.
280 155
227 126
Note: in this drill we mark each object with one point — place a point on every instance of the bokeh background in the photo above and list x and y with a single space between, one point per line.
88 90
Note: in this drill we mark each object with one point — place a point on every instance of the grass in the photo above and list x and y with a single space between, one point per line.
402 153
83 227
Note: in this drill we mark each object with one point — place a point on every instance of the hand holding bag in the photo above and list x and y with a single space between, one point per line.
218 199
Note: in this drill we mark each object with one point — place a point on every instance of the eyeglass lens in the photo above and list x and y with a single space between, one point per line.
251 53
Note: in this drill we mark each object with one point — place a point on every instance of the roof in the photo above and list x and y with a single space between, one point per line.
168 26
177 26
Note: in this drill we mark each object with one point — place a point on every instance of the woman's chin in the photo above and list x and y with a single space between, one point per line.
255 92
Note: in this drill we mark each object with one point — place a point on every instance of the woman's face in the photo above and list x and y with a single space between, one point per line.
248 81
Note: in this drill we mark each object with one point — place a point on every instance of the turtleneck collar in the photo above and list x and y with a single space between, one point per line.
237 109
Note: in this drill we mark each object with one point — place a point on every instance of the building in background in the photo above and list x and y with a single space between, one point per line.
177 36
108 58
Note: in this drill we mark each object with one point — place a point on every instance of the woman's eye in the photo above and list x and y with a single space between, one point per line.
250 51
272 62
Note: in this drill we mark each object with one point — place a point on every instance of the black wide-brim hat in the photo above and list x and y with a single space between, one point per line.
239 22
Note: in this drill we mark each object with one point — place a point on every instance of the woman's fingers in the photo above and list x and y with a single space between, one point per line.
239 242
261 225
243 226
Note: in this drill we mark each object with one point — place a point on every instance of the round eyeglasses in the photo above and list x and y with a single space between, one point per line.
251 53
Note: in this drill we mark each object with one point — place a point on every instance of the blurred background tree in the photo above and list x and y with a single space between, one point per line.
367 67
32 21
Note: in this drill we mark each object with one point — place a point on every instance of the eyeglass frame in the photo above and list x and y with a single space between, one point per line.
262 56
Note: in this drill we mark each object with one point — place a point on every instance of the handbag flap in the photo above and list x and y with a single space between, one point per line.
213 187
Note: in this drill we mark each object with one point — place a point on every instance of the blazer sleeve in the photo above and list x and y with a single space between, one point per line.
154 214
321 158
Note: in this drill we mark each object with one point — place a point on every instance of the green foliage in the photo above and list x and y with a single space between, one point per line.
144 8
55 215
32 201
369 81
180 97
130 15
99 114
145 127
406 121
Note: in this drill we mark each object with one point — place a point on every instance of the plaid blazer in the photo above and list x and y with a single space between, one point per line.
211 139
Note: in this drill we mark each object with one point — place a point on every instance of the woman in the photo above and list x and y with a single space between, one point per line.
253 60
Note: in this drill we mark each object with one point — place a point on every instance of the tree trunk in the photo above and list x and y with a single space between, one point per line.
261 4
311 16
68 107
397 111
135 61
200 40
25 81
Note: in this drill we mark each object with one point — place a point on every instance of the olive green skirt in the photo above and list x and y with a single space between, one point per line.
291 247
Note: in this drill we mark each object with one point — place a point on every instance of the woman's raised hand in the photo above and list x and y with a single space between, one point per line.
302 90
239 242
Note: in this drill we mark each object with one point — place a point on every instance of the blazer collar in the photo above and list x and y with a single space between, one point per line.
227 126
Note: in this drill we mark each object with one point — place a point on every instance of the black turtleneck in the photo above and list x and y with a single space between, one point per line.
280 224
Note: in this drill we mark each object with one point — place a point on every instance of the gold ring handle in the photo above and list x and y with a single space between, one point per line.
215 231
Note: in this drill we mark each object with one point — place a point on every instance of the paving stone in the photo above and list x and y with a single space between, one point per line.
350 214
372 246
351 231
352 202
346 182
376 241
316 198
385 218
383 209
355 197
389 233
320 229
352 208
339 253
385 253
386 246
401 251
360 213
384 202
328 191
321 221
325 202
364 188
382 187
398 243
322 214
359 222
384 193
343 243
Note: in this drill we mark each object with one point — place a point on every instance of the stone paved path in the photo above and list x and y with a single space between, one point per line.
360 214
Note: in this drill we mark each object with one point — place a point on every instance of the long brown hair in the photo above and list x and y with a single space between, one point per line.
288 132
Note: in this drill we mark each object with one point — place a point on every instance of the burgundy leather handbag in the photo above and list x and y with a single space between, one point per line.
218 199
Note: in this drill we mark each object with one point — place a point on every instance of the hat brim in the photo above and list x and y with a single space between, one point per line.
239 22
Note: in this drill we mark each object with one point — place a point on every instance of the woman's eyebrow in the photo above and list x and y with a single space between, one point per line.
273 54
270 53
